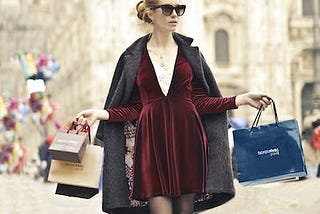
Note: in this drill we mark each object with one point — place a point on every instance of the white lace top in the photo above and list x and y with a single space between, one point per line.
164 77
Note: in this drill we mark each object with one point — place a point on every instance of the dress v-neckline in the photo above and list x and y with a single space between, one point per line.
155 74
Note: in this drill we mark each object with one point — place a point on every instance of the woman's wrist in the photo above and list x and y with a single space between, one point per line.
103 115
240 100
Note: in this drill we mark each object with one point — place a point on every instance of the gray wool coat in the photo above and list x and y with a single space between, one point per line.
115 184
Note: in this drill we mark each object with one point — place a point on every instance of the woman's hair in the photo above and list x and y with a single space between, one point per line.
142 7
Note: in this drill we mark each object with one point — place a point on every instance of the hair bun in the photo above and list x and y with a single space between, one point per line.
140 7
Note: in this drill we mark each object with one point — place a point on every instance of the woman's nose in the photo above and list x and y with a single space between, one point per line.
174 13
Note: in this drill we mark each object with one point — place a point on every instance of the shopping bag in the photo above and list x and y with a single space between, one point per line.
84 174
70 145
76 191
270 152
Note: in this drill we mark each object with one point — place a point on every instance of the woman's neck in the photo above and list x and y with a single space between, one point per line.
162 39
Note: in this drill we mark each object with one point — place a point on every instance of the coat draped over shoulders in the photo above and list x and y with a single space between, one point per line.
219 182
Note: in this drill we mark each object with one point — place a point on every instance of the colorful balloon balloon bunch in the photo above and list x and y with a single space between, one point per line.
13 112
42 108
38 66
12 157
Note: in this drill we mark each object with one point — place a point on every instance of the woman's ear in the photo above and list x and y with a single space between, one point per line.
150 15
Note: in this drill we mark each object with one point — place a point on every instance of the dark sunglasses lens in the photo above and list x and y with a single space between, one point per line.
180 10
167 10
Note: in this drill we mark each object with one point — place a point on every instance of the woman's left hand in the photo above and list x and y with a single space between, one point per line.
254 100
90 116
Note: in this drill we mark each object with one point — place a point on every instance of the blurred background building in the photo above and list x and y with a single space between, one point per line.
267 45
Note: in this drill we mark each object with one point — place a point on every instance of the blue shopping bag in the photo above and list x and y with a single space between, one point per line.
269 152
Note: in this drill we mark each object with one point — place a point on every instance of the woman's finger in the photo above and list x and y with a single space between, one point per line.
80 114
262 105
266 100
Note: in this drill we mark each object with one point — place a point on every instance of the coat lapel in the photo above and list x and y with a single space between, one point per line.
126 71
193 56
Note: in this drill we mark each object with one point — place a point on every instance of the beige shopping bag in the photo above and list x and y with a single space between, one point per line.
84 174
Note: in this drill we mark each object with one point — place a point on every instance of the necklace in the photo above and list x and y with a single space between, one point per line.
161 57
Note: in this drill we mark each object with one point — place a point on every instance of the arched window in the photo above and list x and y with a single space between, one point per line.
307 7
222 47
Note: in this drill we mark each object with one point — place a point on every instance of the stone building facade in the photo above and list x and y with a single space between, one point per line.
251 45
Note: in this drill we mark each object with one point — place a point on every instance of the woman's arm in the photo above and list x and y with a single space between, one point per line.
130 111
210 105
213 105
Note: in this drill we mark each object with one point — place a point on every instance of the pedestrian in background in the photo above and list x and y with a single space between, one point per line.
45 158
315 143
163 86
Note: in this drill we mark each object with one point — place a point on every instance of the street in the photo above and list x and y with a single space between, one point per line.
20 194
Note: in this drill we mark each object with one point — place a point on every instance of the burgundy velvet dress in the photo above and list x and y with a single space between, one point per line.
171 148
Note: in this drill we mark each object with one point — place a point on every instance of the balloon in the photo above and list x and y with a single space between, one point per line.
10 161
17 127
3 108
6 158
9 149
53 65
9 122
42 61
23 109
27 72
44 109
13 104
15 151
36 101
31 63
58 124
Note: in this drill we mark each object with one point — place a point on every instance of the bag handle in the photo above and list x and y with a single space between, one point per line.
257 118
84 128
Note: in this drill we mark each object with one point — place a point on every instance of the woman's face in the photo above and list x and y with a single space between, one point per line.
162 19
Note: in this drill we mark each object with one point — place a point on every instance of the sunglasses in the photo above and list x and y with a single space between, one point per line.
167 9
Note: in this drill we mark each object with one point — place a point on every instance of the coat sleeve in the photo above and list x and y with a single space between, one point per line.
129 111
209 78
210 105
115 80
114 83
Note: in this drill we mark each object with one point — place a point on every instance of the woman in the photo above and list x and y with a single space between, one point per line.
181 155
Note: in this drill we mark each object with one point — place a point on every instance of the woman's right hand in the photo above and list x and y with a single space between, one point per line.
255 100
90 116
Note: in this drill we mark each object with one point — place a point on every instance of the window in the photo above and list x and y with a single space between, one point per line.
307 7
222 47
306 101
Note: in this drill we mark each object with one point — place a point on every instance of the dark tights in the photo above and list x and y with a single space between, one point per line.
182 204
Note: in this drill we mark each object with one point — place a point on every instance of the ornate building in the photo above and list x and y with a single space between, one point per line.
263 46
